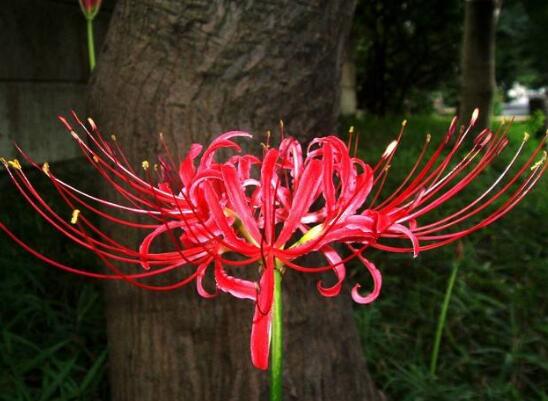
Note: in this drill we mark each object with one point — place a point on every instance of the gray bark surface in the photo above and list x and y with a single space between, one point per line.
478 59
192 69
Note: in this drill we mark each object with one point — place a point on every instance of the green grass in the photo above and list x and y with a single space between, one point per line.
52 329
494 344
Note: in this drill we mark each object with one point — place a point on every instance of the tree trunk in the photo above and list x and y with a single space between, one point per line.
478 59
192 69
349 98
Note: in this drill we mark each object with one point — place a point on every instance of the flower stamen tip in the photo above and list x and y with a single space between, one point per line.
351 129
526 136
74 217
113 137
390 148
540 162
145 164
45 168
428 137
475 115
404 123
14 164
92 124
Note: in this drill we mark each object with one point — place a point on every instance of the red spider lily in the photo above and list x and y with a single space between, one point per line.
90 8
274 210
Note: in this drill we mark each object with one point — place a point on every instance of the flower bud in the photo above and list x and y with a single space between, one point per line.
90 8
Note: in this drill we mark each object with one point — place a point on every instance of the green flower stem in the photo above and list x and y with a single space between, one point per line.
442 318
276 379
91 44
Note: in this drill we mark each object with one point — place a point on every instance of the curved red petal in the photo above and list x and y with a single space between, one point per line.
200 273
260 338
338 268
234 286
377 284
238 200
304 195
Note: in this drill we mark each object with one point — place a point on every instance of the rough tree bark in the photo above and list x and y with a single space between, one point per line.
478 84
191 69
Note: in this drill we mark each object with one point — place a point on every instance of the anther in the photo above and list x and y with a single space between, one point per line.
74 217
92 124
145 164
540 162
45 168
15 164
390 148
475 115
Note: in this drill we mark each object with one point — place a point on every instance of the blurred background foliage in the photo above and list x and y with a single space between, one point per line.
408 52
494 345
403 55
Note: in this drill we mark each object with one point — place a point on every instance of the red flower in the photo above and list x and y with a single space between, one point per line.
274 210
90 8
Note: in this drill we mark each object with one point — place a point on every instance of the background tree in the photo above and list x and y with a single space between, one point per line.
191 69
405 49
478 84
514 60
535 43
522 55
537 11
